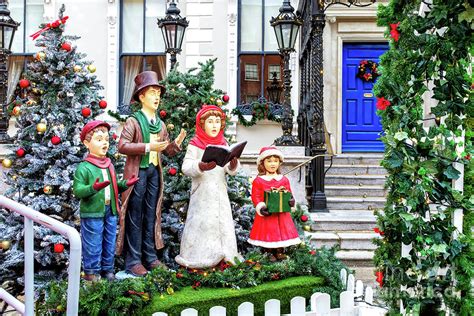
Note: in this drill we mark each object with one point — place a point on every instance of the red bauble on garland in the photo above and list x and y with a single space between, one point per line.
86 112
114 136
367 71
382 103
102 104
55 140
304 218
163 113
172 171
20 152
66 46
225 98
58 248
24 83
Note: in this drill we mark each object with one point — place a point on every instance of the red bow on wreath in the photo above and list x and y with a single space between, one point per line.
51 25
367 71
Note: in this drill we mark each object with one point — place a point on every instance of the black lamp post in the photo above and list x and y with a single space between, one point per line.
173 27
274 90
286 26
7 30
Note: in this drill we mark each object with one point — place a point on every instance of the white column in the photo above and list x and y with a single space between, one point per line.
111 92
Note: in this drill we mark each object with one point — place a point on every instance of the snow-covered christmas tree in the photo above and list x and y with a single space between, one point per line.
61 94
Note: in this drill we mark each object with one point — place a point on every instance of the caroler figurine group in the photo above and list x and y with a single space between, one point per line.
209 232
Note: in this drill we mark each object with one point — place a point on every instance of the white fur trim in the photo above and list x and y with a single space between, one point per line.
268 153
275 244
259 206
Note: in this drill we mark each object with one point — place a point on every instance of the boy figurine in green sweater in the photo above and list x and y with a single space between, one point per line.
99 202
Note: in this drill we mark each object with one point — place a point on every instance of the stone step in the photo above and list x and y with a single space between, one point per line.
356 258
356 159
344 220
354 190
345 240
354 203
361 180
356 170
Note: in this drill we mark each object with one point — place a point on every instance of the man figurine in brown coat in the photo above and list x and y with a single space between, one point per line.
143 139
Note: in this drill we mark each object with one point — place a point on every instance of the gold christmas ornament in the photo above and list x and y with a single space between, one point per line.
307 228
212 99
219 102
41 128
303 244
91 68
16 111
77 68
35 90
170 290
48 189
5 244
14 177
40 56
170 126
7 163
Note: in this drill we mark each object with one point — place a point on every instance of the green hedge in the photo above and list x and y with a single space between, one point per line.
205 298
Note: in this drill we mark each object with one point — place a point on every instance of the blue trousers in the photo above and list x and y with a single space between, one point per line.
141 217
98 236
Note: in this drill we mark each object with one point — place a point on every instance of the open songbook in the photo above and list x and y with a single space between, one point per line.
223 154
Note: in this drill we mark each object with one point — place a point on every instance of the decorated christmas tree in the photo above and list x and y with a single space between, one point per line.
186 93
61 94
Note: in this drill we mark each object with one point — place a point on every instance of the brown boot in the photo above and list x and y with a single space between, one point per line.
156 263
91 277
280 255
138 270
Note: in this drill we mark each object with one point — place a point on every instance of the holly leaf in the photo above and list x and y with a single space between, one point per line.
439 248
400 136
451 173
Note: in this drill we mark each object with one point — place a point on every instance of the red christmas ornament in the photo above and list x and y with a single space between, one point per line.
24 83
382 103
58 248
163 113
86 112
179 275
172 171
378 231
304 218
55 140
312 252
379 279
394 31
66 46
114 136
20 152
225 98
102 104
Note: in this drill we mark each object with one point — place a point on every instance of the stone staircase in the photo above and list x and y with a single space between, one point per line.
354 189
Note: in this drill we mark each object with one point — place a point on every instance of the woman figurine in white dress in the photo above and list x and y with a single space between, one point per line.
209 232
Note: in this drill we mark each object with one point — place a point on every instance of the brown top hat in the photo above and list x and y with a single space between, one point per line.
146 79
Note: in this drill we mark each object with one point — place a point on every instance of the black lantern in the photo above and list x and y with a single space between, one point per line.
7 27
7 30
274 90
286 26
173 27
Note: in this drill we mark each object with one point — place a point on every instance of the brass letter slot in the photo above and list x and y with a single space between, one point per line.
368 95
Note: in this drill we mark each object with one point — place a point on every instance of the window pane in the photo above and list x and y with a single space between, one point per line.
272 8
251 25
34 17
132 27
272 63
274 69
16 12
250 90
156 64
153 37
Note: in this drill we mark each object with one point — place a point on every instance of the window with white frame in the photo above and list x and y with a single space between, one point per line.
257 48
141 43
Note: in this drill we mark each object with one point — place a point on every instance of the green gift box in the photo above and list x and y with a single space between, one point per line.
277 200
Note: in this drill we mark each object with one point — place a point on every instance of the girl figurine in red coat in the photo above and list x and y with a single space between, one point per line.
272 231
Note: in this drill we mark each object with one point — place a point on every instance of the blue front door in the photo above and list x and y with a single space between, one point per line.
361 126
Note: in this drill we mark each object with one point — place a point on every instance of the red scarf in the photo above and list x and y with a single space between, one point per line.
201 139
104 163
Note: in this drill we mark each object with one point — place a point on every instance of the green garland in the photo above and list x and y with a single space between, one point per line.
419 160
261 110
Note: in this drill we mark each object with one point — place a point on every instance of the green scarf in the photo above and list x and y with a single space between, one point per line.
147 129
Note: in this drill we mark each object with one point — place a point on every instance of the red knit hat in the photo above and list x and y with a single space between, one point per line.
90 126
266 152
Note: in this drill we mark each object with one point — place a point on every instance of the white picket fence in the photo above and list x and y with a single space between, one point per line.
354 301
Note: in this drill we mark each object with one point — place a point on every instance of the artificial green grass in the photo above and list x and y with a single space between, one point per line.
205 298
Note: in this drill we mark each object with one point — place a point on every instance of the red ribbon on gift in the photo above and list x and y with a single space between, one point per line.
54 24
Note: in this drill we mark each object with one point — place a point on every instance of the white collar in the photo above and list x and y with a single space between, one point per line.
277 177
